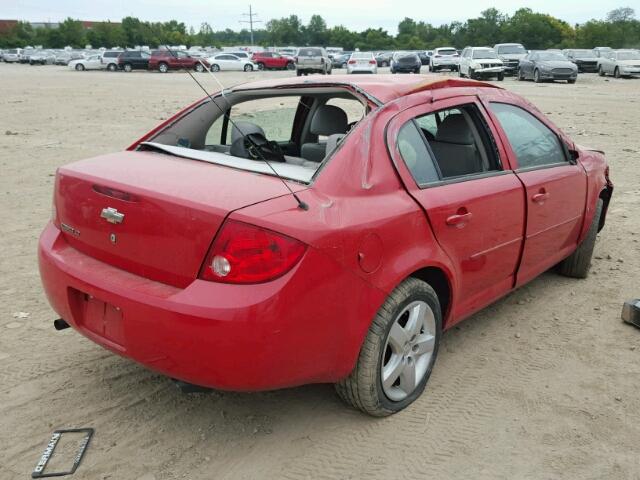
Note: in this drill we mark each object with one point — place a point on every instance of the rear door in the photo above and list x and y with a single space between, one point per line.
473 200
555 186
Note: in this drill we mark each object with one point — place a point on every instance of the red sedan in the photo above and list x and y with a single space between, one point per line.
318 230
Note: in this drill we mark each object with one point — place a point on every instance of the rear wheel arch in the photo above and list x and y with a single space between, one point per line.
605 195
440 281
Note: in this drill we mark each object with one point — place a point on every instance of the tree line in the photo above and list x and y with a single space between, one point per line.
620 29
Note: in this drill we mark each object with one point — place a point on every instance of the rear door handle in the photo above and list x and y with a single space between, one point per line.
460 219
540 197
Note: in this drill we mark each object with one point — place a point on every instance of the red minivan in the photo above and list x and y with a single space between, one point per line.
312 230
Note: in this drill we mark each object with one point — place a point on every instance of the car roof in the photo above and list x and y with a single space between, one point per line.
381 88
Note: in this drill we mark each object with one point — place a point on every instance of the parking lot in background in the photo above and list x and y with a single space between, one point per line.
541 385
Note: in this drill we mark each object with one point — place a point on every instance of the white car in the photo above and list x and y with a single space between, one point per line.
619 63
362 62
92 62
480 62
444 58
12 56
227 61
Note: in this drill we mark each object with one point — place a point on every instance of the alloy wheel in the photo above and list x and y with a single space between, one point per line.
408 350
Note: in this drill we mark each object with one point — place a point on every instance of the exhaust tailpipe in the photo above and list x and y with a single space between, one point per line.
60 324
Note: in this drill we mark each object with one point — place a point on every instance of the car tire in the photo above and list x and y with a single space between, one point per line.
416 71
249 68
127 67
163 67
500 77
79 67
112 67
199 68
536 76
412 301
577 264
215 67
600 71
616 72
260 66
460 74
521 75
472 74
571 81
298 73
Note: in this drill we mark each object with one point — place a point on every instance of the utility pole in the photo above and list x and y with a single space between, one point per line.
251 21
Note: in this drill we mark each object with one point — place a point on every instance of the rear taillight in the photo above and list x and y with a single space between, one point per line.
322 61
372 62
351 62
243 253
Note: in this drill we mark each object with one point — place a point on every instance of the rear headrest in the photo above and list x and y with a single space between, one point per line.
455 129
328 120
244 128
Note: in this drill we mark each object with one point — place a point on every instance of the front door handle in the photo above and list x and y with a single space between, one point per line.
460 219
540 197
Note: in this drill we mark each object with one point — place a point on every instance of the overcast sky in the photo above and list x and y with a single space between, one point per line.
356 15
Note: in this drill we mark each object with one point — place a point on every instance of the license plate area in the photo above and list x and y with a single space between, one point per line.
97 316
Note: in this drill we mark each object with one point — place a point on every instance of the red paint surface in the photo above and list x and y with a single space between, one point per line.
365 232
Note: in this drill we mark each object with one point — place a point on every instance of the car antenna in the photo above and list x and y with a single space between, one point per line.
301 205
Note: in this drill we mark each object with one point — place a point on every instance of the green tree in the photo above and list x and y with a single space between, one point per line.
316 32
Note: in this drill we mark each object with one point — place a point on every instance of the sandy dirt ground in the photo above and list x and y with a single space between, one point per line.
545 384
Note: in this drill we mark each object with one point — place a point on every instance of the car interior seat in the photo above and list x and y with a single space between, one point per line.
455 148
328 120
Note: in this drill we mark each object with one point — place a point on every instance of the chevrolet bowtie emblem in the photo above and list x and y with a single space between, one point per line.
112 215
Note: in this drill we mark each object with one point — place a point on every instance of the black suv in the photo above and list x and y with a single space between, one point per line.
133 60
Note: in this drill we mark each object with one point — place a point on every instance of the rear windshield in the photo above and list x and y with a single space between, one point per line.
310 52
447 51
362 55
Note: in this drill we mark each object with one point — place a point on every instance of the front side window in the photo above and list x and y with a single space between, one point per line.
533 143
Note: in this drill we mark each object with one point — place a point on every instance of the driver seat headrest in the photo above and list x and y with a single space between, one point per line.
241 128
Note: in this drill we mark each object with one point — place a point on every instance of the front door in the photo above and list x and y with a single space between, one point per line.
472 198
555 185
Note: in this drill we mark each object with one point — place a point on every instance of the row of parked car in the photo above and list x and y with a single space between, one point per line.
473 62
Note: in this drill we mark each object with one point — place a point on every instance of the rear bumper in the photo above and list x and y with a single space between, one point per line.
362 69
305 327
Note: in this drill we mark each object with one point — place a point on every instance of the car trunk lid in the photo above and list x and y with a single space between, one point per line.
153 214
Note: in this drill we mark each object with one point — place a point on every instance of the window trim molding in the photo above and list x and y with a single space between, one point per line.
464 178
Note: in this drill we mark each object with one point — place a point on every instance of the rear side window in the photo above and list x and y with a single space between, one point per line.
533 143
458 142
